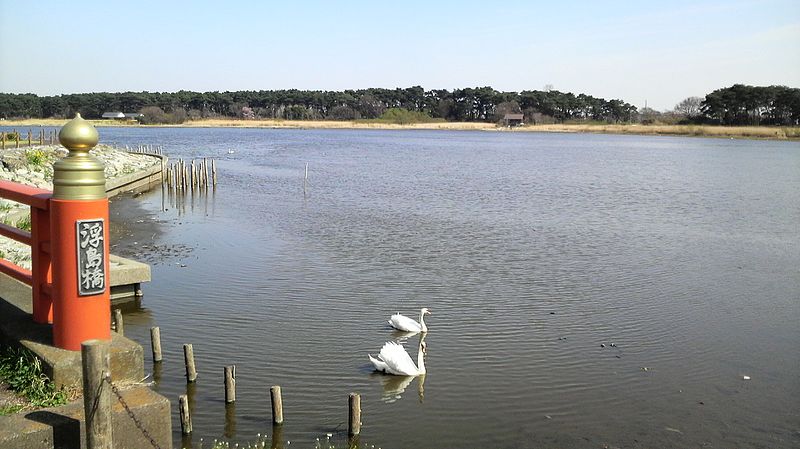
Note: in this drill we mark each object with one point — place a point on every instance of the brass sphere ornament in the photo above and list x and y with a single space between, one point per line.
78 134
79 176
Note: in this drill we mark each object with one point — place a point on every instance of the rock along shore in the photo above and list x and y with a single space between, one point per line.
33 166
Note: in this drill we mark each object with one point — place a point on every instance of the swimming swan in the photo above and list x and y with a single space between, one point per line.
393 359
404 323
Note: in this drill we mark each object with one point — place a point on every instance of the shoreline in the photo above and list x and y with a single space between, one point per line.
33 166
736 132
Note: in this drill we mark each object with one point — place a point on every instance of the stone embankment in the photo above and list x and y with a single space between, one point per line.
34 166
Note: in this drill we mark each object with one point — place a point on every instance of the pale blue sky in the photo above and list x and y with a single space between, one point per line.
659 52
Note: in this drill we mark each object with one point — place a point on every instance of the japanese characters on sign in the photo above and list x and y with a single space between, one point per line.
91 257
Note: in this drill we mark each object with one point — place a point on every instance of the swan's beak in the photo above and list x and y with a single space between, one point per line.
428 312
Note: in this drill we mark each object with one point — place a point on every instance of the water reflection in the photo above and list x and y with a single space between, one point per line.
230 420
277 436
158 369
186 442
421 388
195 200
402 336
395 386
191 393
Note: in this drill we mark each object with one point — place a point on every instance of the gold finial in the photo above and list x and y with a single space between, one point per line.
79 176
78 134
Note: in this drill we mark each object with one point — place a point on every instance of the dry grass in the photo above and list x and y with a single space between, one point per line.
747 132
237 123
330 124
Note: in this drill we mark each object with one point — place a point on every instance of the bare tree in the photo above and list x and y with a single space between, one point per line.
689 107
506 107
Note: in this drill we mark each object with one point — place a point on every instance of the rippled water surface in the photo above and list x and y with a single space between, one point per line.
532 251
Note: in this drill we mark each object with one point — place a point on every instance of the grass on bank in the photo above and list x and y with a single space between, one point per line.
745 132
22 372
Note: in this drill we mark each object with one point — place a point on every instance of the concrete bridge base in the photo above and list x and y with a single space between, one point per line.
62 427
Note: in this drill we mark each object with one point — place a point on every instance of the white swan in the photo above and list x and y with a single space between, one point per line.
393 359
404 323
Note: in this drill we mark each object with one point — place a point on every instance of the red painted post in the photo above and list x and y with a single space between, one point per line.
79 226
41 266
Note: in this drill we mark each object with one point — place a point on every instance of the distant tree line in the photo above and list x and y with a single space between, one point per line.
753 105
736 105
470 104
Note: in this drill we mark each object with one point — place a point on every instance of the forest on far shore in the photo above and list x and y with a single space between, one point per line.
735 105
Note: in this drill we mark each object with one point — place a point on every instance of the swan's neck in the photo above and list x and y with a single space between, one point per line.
422 325
421 358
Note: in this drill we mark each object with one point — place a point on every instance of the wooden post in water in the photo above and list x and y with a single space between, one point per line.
277 404
186 419
118 324
16 138
3 139
230 384
305 180
30 137
96 393
214 172
354 421
188 356
155 343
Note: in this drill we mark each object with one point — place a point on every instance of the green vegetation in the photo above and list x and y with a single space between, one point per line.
10 135
11 409
24 223
753 105
23 373
36 157
478 104
263 442
401 116
736 105
152 115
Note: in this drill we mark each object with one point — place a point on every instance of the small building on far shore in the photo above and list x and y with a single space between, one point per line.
513 119
122 115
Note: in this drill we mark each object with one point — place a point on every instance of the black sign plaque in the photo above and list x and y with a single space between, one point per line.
91 257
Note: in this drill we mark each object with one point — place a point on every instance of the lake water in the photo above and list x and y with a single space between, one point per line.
531 250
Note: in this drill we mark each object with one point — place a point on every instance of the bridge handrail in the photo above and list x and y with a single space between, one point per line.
32 196
39 276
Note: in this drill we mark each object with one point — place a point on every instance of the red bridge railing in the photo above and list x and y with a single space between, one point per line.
39 277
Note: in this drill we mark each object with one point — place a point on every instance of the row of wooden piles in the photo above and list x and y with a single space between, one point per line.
146 149
182 177
354 399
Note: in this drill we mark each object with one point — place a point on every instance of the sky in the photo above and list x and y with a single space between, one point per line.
652 53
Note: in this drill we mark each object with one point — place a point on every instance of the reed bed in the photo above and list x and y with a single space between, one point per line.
745 132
